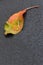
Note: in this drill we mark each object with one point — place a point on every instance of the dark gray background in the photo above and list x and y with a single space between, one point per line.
26 48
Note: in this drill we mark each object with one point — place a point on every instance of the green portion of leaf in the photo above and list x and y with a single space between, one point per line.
7 27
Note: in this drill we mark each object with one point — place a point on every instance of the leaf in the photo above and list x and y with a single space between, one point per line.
15 22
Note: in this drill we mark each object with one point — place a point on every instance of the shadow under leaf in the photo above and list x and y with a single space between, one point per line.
9 35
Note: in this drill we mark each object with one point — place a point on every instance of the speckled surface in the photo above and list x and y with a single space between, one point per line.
26 48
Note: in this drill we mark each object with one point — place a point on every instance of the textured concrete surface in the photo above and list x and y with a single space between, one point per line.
26 48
